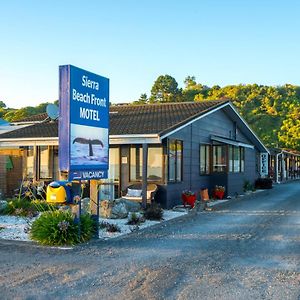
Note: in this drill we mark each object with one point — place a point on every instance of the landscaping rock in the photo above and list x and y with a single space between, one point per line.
131 206
113 210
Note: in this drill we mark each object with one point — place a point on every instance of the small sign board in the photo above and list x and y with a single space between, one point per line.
264 164
83 123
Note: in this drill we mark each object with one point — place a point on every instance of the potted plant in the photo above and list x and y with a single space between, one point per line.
188 197
219 191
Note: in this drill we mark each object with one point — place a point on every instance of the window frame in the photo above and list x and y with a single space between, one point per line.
231 162
225 166
50 163
138 147
29 150
176 177
207 158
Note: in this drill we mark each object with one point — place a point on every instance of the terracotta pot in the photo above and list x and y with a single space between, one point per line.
204 195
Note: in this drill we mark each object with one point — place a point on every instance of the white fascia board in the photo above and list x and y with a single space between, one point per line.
29 142
194 120
231 142
113 140
245 123
134 139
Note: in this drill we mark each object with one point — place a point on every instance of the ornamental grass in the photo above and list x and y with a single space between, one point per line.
61 228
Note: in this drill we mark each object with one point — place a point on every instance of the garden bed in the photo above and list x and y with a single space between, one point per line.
16 228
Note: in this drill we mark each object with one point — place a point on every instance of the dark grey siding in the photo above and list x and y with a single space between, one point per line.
236 181
217 123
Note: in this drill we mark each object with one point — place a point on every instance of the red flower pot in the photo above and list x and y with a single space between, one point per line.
188 199
219 194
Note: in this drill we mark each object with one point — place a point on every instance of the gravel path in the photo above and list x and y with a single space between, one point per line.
245 249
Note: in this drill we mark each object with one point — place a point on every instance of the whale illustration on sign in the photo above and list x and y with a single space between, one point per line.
90 142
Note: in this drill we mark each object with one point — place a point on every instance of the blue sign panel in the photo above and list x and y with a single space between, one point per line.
83 123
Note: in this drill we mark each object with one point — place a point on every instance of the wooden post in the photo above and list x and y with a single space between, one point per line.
144 175
94 203
94 197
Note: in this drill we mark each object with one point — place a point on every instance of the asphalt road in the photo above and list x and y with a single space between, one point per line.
248 248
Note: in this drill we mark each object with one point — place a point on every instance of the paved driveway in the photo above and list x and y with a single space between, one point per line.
246 249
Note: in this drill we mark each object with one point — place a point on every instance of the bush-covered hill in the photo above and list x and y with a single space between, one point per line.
273 112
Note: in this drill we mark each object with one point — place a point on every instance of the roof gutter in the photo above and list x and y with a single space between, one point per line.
134 139
29 141
113 140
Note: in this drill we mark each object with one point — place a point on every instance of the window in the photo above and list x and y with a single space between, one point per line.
114 164
204 159
154 164
175 149
55 163
219 158
45 162
29 162
236 159
136 163
242 159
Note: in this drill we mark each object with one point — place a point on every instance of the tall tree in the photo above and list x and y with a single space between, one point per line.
165 89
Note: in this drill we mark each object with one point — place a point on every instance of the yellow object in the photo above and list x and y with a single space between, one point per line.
56 194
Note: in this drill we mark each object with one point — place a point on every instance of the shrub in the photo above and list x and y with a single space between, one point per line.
153 212
19 207
42 205
26 207
135 219
59 228
55 228
87 227
247 186
109 227
263 183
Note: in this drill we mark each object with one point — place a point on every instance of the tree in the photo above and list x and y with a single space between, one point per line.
165 89
289 133
193 89
190 82
142 100
2 104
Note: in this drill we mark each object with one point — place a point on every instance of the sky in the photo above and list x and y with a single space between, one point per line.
132 42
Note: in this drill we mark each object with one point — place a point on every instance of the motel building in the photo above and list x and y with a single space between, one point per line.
177 146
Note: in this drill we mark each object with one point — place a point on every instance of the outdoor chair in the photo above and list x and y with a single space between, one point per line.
134 192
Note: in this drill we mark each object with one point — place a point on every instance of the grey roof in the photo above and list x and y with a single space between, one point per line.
131 119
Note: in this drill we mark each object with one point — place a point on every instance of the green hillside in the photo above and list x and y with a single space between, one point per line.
273 112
